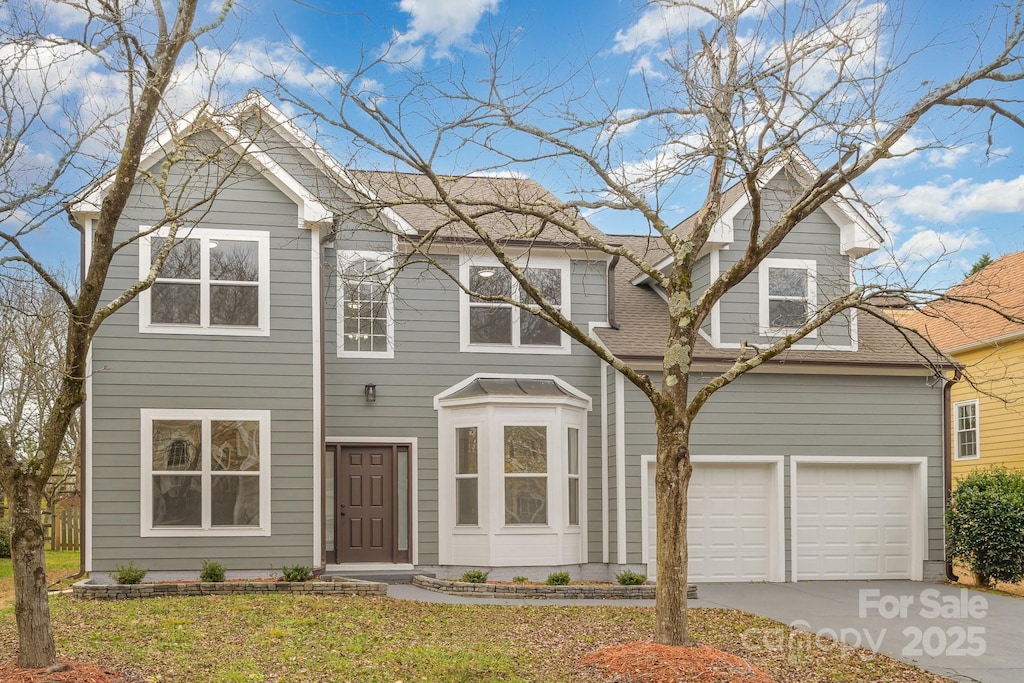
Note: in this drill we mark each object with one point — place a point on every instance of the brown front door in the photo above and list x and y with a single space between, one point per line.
366 504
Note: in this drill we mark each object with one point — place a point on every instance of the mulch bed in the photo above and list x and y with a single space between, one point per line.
75 672
645 662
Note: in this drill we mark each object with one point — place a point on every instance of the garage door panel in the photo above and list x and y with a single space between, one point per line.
853 521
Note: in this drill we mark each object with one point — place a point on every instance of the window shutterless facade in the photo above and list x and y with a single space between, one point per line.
966 425
211 282
366 305
787 295
489 325
205 473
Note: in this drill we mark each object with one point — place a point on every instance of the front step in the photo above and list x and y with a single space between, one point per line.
380 575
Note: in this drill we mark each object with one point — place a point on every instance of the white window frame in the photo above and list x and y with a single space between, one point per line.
957 431
205 236
570 477
386 259
766 330
148 416
523 419
474 476
525 261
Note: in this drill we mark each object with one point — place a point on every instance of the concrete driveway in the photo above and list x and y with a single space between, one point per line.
963 634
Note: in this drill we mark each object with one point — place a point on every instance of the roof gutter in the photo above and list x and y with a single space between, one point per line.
947 461
611 292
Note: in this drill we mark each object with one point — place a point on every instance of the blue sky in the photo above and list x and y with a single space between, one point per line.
959 199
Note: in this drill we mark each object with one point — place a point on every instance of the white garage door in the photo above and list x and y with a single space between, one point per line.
731 515
853 521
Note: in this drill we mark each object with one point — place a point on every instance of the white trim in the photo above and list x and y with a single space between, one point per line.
977 430
369 566
317 306
441 398
387 260
205 236
764 324
777 536
620 469
413 443
918 503
992 342
715 268
605 539
87 485
147 416
524 261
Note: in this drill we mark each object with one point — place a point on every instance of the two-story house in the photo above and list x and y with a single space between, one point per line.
282 395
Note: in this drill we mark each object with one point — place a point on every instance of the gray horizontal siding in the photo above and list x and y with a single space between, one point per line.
134 371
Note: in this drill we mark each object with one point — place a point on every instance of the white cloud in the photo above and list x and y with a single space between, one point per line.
660 22
436 26
954 200
931 246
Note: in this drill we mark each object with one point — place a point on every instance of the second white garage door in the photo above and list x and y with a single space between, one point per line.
733 522
854 521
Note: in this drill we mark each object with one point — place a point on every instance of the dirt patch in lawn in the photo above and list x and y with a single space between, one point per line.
645 662
968 579
68 671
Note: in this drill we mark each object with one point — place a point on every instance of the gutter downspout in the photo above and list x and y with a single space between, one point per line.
611 292
947 458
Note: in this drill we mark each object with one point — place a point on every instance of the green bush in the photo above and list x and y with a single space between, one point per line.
297 573
475 576
520 579
5 539
128 574
558 579
985 525
629 578
212 572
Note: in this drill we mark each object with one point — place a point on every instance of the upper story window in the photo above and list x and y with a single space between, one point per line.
366 305
788 295
496 326
212 282
966 413
205 473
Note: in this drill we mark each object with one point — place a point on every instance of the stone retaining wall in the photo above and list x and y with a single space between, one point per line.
88 590
570 592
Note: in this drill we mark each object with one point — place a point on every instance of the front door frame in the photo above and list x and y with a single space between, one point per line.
412 444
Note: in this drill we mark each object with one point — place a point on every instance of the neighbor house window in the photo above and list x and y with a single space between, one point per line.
966 430
787 295
211 282
205 473
466 477
365 304
495 325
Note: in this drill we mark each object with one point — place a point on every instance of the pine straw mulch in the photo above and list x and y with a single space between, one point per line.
66 671
646 662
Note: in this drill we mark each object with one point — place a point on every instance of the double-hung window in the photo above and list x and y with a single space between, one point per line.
211 282
365 305
494 324
966 413
526 475
788 295
205 473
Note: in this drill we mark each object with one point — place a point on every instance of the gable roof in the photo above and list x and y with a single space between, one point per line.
485 198
643 326
965 317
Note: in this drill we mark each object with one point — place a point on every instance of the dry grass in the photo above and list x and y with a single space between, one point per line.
59 565
968 579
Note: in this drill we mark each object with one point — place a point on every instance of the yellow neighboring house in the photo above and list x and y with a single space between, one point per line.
988 402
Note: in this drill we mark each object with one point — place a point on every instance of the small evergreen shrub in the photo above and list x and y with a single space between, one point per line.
558 579
630 578
985 525
475 576
5 538
297 573
212 572
520 579
128 574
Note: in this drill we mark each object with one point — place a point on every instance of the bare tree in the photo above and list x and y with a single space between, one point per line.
751 86
55 139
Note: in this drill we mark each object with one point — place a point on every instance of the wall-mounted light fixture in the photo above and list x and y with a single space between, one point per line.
485 273
370 390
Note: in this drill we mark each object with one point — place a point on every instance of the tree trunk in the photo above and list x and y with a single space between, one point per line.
672 482
31 606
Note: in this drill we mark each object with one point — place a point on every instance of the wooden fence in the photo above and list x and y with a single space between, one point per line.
63 528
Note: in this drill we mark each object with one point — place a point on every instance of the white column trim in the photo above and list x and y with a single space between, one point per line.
317 377
620 469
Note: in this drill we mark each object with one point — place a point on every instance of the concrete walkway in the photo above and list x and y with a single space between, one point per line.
962 634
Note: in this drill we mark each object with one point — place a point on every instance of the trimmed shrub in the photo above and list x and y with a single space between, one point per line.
630 578
520 579
5 538
558 579
212 572
985 525
474 576
128 574
297 573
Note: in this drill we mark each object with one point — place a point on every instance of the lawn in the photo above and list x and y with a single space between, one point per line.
58 565
324 638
